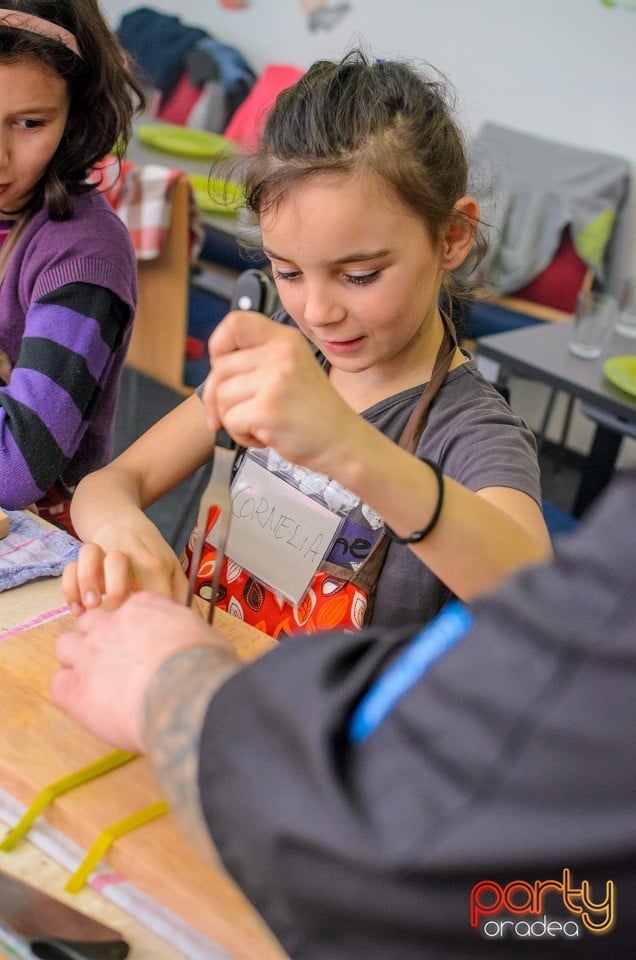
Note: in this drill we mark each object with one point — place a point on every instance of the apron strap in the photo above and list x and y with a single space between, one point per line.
367 575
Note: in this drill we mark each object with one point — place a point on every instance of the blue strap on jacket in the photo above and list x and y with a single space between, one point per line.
431 643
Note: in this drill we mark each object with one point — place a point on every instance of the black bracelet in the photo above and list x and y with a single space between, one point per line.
420 534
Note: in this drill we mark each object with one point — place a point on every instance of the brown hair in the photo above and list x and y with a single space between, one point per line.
359 114
104 94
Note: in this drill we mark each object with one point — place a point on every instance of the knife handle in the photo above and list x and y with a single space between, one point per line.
53 949
223 439
253 290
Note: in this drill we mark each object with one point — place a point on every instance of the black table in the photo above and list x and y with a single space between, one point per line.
540 352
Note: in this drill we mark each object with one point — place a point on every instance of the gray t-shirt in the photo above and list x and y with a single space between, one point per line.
478 441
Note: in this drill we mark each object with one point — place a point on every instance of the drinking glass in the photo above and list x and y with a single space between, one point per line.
625 322
592 319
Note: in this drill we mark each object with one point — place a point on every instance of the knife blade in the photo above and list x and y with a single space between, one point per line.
52 929
253 290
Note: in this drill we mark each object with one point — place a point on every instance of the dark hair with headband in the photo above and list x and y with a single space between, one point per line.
104 94
381 116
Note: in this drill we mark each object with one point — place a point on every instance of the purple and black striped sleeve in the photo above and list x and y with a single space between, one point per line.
70 340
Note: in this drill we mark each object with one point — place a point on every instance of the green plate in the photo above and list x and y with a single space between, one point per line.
216 196
621 371
184 141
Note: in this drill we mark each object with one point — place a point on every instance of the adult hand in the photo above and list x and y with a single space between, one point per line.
267 390
127 555
110 658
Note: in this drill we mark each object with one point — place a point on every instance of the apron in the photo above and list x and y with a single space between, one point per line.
336 598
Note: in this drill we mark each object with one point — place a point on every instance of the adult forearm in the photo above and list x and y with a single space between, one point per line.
175 707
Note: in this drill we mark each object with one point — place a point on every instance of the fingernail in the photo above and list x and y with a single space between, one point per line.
91 599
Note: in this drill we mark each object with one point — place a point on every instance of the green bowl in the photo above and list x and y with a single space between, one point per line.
184 141
214 195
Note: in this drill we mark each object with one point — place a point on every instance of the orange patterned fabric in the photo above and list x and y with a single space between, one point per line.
330 603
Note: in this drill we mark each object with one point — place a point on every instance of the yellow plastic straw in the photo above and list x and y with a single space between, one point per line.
110 762
77 879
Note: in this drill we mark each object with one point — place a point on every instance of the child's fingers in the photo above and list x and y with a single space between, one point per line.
179 586
125 576
90 575
238 330
71 589
119 578
226 347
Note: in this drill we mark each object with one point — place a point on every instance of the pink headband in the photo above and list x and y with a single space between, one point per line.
45 28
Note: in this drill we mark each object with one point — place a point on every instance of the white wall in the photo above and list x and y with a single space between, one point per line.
565 69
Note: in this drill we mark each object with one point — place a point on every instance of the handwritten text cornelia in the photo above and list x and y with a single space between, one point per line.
281 526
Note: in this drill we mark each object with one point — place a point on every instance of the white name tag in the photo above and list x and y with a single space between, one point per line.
276 532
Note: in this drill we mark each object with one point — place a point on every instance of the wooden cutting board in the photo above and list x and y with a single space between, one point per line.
39 744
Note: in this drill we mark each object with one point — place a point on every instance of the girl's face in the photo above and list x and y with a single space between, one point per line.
357 271
34 108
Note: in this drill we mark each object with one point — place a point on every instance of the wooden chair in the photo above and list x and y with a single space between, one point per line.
160 328
157 344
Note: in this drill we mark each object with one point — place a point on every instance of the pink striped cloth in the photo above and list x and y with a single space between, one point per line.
141 197
30 550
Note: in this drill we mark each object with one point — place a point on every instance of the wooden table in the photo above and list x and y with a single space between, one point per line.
39 744
24 606
31 865
541 352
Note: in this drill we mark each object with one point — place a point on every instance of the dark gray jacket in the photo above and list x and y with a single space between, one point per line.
511 759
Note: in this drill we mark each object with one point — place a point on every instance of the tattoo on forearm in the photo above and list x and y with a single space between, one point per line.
174 712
